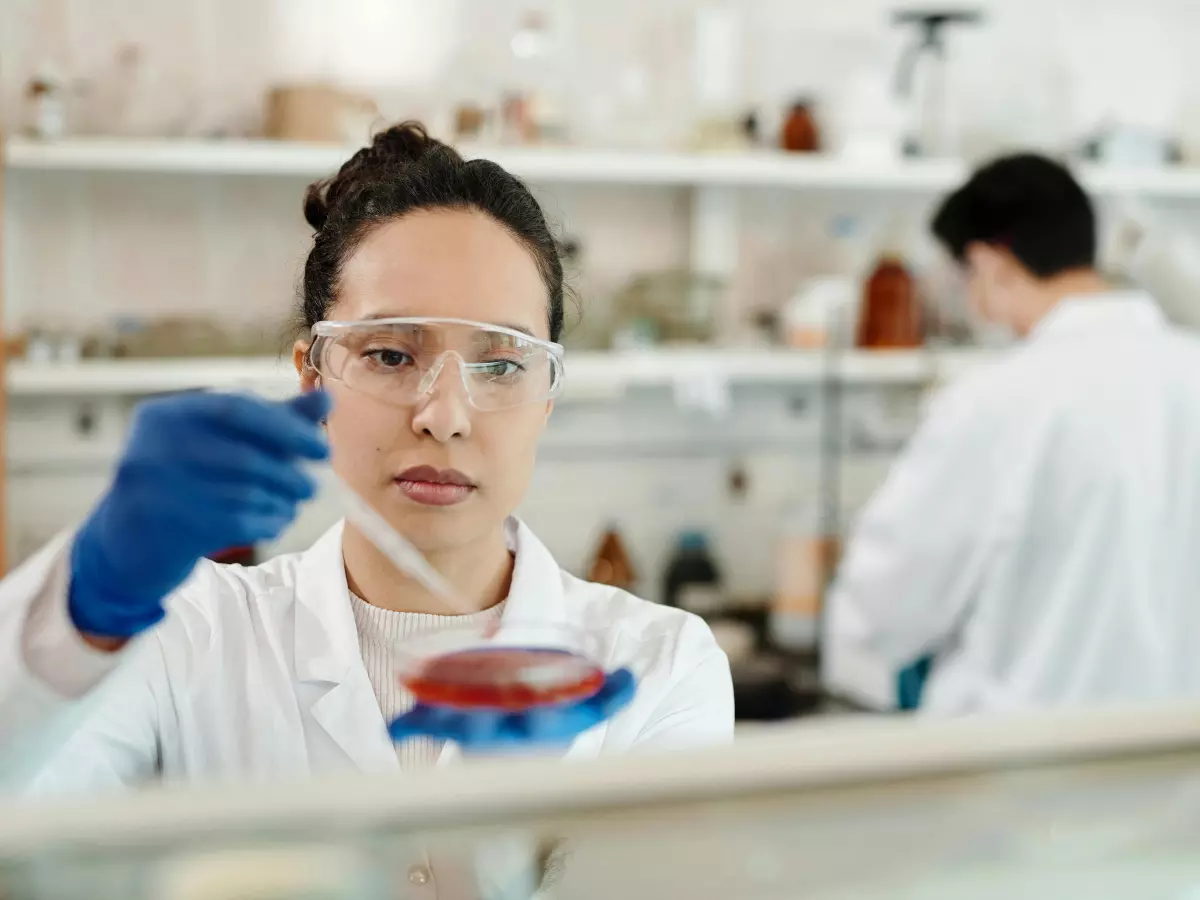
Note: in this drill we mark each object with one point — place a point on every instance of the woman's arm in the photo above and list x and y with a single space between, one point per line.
71 717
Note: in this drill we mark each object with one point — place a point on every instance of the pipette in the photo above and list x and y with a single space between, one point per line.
467 671
395 546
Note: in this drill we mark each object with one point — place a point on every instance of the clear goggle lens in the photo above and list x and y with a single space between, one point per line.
398 361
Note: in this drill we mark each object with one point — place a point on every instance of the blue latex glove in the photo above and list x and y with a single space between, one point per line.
544 726
200 473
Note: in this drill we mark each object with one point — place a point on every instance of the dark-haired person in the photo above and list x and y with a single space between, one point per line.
432 300
1037 541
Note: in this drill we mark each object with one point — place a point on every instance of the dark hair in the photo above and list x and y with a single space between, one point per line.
403 171
1030 206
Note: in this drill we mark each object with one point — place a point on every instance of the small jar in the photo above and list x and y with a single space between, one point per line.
800 133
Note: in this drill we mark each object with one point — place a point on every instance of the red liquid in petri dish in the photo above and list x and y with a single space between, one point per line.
507 678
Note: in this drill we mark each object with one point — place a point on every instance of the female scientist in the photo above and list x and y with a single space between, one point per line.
433 295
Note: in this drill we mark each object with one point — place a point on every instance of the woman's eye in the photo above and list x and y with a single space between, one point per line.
503 368
388 358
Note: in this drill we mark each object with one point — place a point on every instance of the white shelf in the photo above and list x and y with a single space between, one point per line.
90 378
589 375
567 165
761 169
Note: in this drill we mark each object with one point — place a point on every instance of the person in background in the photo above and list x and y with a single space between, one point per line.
1036 543
432 304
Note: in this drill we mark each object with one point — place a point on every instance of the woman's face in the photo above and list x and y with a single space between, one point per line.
451 264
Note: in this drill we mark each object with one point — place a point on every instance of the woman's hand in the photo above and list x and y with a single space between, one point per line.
201 473
548 726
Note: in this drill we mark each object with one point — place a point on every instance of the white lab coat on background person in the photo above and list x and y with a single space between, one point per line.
256 673
1040 536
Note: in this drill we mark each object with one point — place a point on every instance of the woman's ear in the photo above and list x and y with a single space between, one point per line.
310 379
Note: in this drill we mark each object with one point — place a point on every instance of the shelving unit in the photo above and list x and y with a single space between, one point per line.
273 158
715 187
589 375
764 169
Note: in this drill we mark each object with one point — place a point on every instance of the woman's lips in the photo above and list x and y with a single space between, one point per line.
435 487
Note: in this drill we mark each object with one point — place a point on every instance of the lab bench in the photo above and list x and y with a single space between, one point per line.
1101 805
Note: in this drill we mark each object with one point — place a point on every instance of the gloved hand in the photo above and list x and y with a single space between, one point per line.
201 473
540 727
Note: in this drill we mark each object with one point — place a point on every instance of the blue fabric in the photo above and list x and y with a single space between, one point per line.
910 683
200 473
543 726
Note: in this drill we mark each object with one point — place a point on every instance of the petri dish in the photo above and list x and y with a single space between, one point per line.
517 668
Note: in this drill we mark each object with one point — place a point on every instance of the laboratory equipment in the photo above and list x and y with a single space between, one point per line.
717 60
891 316
693 581
800 133
803 564
515 667
1100 805
922 77
533 110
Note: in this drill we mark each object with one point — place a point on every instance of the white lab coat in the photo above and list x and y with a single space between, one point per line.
1040 536
256 673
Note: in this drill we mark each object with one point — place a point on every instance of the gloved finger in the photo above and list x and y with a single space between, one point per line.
477 727
250 528
234 498
418 721
224 458
567 722
275 427
170 506
558 724
617 693
514 728
313 405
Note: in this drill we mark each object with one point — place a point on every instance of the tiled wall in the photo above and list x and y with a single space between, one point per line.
85 248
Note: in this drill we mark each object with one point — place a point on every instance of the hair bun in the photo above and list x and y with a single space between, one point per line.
393 148
407 142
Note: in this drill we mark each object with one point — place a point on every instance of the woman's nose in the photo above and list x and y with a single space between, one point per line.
443 410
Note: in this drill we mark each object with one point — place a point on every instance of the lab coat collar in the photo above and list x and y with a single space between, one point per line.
326 640
1115 311
327 655
536 593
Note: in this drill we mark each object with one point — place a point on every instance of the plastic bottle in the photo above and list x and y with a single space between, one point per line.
693 581
802 564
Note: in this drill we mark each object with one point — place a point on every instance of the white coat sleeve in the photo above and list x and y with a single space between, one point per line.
71 717
917 552
696 708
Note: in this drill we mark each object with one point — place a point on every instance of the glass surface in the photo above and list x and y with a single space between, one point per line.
1034 809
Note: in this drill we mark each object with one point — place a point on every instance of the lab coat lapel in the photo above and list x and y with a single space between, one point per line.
536 593
334 683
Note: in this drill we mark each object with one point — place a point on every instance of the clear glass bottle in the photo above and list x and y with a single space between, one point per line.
533 109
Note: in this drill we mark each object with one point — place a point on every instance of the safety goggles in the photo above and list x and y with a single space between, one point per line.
400 360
